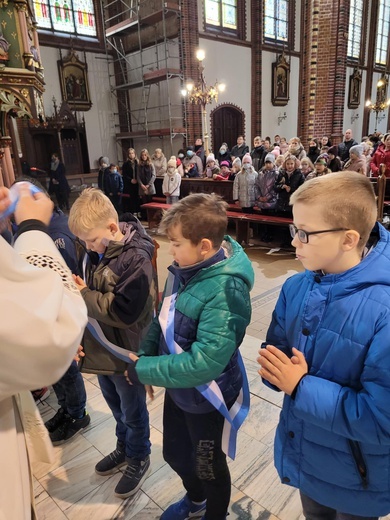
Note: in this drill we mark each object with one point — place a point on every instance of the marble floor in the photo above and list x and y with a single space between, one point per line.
70 489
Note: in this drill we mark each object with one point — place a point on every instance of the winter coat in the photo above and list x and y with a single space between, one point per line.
212 312
333 439
344 148
244 188
64 239
129 173
160 165
257 155
113 183
265 187
58 182
299 152
335 165
356 165
171 183
120 295
239 151
294 181
146 175
381 156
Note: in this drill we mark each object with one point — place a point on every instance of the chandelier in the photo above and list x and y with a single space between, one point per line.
203 95
382 102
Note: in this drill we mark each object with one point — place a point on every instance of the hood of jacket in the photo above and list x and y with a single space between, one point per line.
373 270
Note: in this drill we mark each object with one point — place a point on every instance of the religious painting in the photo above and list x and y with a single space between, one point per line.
280 81
74 82
355 83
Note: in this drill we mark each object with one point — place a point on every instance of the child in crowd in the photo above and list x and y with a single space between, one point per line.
289 179
119 291
266 195
103 165
146 175
257 153
159 162
191 170
224 173
307 167
328 350
295 147
357 161
236 167
334 163
197 342
113 185
130 184
320 168
244 185
283 145
279 162
171 182
212 167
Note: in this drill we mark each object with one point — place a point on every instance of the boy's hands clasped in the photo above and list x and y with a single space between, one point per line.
280 370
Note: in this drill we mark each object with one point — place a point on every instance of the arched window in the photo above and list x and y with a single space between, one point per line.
69 16
355 29
276 17
382 38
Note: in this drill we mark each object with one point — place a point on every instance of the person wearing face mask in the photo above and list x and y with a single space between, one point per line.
224 154
314 150
113 186
244 190
192 158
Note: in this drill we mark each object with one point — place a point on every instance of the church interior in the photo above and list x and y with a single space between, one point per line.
88 79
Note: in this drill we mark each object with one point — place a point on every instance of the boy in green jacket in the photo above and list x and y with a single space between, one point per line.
202 321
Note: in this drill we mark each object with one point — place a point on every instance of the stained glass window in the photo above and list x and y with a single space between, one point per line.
382 38
69 16
355 29
276 20
221 13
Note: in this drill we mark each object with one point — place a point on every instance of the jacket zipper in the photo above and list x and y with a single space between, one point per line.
359 461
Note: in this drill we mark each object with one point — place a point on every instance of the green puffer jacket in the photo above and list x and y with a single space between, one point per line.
213 310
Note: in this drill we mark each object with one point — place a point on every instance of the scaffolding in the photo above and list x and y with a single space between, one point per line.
143 42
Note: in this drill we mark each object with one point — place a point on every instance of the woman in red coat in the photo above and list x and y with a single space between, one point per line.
382 156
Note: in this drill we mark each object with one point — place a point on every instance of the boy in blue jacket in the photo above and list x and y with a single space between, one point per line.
194 341
328 349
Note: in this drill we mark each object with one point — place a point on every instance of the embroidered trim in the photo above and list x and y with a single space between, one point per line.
45 261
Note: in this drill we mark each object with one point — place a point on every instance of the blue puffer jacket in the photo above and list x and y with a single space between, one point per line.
212 312
333 439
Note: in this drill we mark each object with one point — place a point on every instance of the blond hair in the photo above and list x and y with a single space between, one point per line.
348 200
91 210
200 215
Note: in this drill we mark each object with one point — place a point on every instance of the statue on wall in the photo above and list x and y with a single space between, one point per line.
280 81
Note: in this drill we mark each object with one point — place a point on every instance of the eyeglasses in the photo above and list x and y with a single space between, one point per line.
303 236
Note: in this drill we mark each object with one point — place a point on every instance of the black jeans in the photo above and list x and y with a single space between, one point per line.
315 511
192 447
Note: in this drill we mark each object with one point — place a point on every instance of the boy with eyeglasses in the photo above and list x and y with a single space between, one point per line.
328 349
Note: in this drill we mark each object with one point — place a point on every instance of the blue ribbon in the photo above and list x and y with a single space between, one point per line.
210 391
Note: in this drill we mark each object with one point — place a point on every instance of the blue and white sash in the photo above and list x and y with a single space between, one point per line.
96 331
210 391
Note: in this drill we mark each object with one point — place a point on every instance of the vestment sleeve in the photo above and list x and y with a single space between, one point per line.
42 314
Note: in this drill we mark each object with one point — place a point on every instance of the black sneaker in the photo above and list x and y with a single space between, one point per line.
69 428
112 462
133 477
53 423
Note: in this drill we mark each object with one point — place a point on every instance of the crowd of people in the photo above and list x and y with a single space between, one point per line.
264 177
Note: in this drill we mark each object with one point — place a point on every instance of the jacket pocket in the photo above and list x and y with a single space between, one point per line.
359 461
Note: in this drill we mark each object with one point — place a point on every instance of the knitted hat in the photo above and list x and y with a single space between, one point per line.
172 162
357 150
333 150
105 160
210 158
270 157
247 159
276 151
237 163
225 163
322 159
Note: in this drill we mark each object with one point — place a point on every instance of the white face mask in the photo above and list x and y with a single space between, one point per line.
247 166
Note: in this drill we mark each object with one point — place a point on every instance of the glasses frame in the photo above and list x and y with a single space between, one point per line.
306 234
